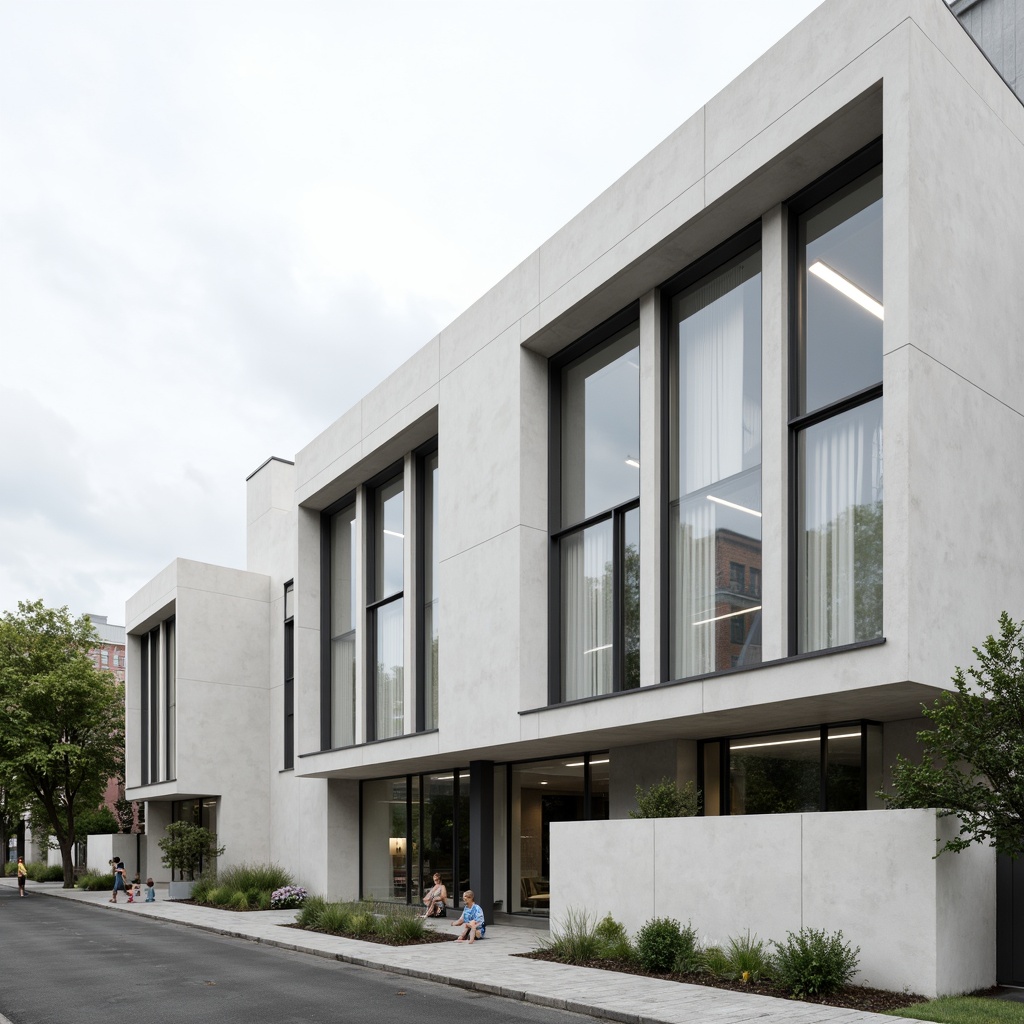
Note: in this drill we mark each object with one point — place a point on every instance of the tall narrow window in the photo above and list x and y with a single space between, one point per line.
837 422
289 675
597 530
157 703
340 711
387 611
170 696
714 385
429 509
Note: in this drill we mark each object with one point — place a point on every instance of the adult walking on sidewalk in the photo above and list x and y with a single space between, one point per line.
22 875
119 879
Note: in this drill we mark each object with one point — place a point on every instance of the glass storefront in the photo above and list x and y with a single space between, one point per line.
827 768
413 826
542 792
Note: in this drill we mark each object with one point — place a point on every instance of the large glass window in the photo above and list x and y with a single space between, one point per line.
714 375
429 567
837 419
827 768
387 610
385 838
341 714
289 675
541 792
158 703
597 530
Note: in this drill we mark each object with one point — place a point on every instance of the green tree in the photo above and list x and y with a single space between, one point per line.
63 732
14 800
666 799
186 846
973 758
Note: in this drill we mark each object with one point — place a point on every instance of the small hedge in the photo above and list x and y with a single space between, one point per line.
242 887
95 883
809 964
392 924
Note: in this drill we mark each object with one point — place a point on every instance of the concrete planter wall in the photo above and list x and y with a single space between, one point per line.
923 923
180 890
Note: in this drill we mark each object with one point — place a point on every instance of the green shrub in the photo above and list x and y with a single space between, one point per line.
811 963
658 945
202 889
96 883
666 799
238 901
613 939
11 868
712 960
576 941
747 959
40 872
245 877
408 928
362 923
689 959
310 912
335 919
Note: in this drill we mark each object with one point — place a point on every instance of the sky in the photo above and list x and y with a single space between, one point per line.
222 222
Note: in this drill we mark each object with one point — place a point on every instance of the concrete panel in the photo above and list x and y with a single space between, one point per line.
966 537
478 432
871 874
500 309
666 173
621 885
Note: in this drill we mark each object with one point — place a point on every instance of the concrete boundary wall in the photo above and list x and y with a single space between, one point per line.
923 924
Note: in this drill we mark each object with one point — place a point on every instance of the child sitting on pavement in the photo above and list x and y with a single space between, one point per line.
150 891
472 919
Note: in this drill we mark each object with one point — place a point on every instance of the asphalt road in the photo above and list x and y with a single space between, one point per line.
64 963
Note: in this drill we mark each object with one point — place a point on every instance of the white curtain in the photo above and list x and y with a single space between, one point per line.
587 612
343 691
390 709
715 427
718 425
694 597
842 479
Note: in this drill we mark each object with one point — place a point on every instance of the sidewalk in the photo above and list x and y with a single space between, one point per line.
489 967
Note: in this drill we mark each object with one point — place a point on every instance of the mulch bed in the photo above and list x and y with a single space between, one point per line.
871 1000
383 940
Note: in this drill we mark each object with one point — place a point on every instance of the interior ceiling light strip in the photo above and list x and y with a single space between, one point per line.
848 288
728 615
732 504
786 743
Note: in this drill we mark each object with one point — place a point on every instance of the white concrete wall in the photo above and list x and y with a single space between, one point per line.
132 850
924 924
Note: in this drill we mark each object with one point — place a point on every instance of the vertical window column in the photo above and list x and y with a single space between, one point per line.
338 706
386 610
289 675
836 423
714 466
596 517
428 568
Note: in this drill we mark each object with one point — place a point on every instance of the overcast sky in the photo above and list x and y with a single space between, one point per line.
221 223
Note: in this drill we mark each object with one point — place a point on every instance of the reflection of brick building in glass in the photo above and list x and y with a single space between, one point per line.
109 657
737 599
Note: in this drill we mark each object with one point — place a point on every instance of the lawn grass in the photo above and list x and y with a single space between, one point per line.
965 1010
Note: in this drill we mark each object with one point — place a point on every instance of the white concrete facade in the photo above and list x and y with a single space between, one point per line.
902 71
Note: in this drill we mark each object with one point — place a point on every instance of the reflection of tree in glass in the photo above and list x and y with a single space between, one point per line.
631 615
864 524
775 785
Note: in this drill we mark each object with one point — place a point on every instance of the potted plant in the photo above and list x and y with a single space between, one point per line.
184 846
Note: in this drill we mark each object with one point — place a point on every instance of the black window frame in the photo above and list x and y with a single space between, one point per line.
724 788
591 341
421 456
326 674
289 679
373 604
843 174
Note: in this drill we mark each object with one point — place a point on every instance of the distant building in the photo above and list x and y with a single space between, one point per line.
109 655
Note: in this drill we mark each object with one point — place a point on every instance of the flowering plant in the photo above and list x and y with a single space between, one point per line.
288 897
